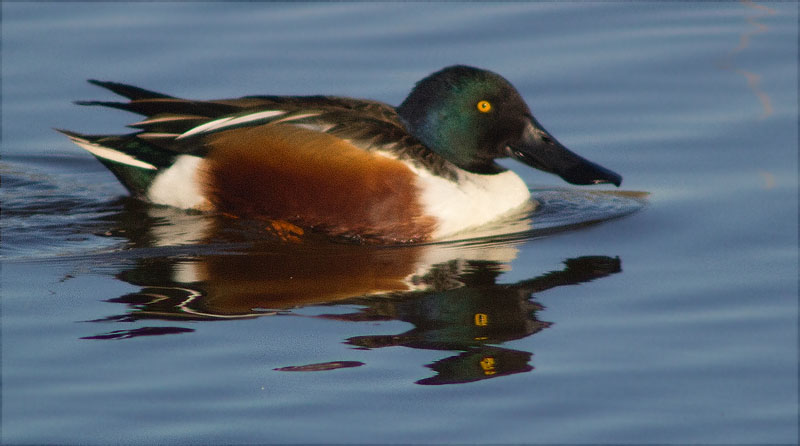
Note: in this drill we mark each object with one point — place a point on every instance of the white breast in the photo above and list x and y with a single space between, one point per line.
471 201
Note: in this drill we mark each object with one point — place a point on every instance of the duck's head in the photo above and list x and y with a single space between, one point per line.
471 117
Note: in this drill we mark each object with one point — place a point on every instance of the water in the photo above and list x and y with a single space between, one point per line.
594 319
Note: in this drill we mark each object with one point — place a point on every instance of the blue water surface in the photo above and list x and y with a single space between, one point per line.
663 312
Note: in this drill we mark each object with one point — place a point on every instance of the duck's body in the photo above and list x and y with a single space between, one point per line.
348 167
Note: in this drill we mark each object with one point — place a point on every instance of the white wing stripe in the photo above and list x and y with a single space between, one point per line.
205 127
296 117
112 155
218 124
254 117
166 119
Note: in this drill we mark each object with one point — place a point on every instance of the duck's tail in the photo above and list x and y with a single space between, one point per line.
133 161
137 158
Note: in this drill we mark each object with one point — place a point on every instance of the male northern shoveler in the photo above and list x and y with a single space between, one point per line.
348 167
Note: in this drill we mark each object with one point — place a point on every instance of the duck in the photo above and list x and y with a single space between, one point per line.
350 168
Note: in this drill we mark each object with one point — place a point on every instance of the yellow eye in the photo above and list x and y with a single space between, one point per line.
484 106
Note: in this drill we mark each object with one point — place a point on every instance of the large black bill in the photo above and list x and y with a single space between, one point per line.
538 149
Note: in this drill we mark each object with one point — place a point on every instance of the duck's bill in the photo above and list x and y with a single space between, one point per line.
538 149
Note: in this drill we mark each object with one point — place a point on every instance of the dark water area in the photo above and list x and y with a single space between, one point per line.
664 311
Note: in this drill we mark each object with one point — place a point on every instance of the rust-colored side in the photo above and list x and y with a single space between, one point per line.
315 180
291 276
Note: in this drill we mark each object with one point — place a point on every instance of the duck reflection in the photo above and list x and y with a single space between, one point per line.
448 292
456 305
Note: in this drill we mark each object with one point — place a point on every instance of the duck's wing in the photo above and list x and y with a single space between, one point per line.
169 114
184 126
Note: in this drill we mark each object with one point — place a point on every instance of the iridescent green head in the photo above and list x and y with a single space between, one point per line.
472 116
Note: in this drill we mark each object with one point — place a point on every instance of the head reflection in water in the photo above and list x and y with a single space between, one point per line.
449 293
